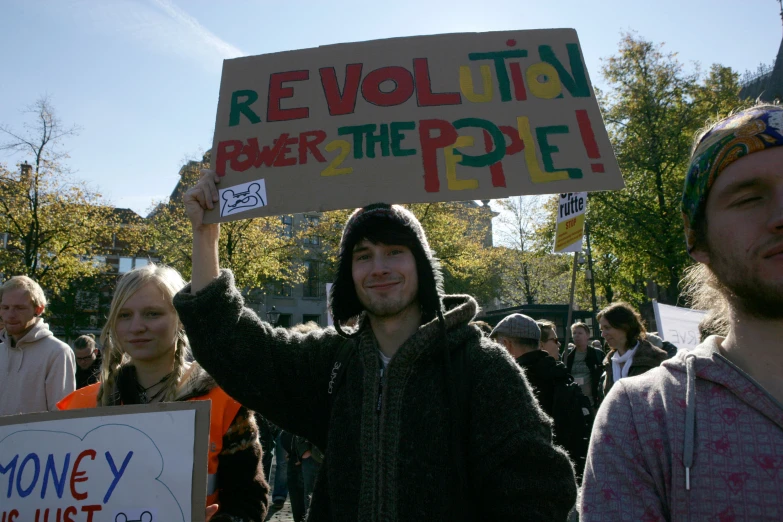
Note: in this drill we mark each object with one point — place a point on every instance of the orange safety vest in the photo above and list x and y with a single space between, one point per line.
224 410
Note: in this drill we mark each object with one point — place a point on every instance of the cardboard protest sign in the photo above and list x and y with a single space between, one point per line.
405 120
127 463
678 325
570 228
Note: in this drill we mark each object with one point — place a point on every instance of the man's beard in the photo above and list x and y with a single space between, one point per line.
747 293
386 308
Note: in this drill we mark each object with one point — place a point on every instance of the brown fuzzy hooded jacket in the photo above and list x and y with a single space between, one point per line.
388 435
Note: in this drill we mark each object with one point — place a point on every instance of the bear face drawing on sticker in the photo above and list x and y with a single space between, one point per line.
233 201
145 517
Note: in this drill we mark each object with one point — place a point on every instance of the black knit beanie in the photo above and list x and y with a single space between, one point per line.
371 222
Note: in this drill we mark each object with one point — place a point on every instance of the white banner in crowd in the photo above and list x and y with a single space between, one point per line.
679 326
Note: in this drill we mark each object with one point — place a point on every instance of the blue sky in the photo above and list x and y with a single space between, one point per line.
141 77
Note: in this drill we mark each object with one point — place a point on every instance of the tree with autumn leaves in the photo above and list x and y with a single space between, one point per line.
56 229
53 225
530 272
259 251
652 107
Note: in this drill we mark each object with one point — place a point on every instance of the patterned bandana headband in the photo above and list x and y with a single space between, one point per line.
732 138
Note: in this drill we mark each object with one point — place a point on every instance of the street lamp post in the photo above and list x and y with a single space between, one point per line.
592 276
579 260
273 316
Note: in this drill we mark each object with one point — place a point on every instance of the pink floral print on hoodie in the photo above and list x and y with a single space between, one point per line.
696 439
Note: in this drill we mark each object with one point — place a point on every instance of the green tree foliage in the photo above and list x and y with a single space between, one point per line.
459 235
54 224
652 108
531 273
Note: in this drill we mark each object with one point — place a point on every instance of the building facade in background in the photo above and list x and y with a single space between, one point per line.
766 82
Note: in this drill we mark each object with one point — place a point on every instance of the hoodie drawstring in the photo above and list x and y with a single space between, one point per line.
9 359
690 418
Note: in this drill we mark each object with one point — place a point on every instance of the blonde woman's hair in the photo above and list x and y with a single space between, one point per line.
32 288
114 357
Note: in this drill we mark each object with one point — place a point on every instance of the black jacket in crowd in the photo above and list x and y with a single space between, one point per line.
91 375
543 372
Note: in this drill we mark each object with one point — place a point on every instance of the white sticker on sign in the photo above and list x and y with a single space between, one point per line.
244 197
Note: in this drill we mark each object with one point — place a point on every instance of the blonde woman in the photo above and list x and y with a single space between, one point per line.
145 360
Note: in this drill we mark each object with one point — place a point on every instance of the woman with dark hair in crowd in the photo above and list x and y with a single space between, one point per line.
630 353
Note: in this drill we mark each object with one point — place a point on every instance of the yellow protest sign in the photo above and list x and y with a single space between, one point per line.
570 222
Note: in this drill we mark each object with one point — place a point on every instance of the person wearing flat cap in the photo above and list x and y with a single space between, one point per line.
520 336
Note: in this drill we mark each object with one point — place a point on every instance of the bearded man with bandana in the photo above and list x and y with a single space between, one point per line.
701 436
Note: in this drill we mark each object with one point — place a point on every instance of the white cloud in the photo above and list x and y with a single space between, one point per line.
191 25
159 25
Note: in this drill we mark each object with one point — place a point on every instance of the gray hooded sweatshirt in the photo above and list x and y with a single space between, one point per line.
694 439
36 373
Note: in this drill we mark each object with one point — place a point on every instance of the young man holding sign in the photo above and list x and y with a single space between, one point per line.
701 436
420 416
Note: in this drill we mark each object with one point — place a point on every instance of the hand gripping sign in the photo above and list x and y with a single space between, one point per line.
121 464
422 119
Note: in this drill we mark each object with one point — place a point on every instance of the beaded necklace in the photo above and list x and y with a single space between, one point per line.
143 397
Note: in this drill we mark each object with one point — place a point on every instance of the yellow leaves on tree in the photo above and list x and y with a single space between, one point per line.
54 225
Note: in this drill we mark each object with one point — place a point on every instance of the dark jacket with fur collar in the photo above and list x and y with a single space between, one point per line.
393 464
645 359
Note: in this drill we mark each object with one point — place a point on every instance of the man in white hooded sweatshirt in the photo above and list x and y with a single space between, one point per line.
36 369
701 436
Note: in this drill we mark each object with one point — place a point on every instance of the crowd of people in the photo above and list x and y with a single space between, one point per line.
418 411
